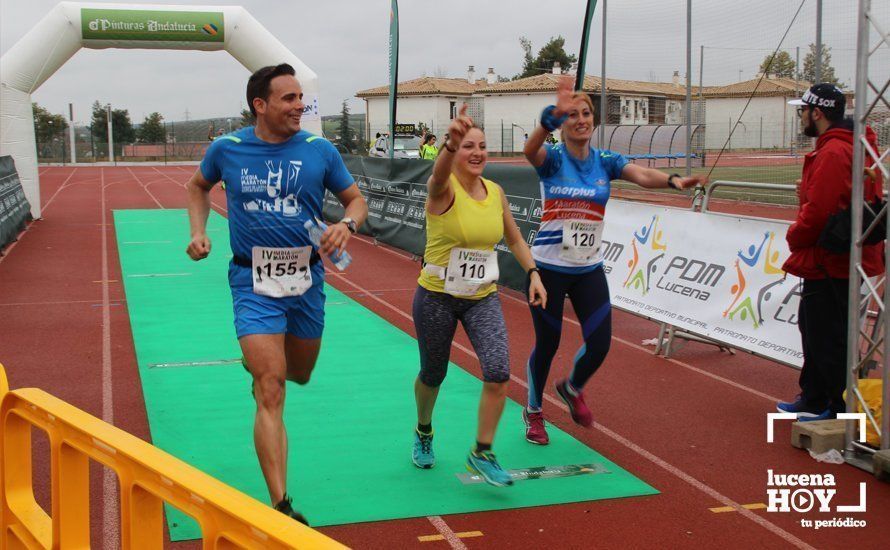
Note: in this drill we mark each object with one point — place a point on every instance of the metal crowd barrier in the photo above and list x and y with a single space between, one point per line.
711 188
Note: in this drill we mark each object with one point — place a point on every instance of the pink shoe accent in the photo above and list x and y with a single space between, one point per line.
580 413
534 427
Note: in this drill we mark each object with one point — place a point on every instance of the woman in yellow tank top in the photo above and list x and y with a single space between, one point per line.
466 217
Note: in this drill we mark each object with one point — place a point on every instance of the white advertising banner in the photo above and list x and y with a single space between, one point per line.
714 275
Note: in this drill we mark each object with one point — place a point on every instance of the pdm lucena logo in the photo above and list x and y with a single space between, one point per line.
754 264
648 247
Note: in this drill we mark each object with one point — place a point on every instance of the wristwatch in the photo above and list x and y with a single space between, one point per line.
350 224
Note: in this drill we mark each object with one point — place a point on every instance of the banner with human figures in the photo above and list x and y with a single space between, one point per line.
711 274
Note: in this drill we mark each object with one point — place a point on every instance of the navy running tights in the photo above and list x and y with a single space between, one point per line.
589 293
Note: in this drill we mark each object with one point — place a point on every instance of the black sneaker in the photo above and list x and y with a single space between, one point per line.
286 508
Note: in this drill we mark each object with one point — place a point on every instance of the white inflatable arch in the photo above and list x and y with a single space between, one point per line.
71 26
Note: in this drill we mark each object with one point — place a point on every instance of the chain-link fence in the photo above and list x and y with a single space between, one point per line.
53 144
181 141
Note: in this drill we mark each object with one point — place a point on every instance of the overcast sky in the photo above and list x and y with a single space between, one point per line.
345 43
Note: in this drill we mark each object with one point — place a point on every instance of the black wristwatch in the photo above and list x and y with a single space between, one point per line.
671 181
350 224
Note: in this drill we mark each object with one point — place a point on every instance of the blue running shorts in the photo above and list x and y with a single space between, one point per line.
301 316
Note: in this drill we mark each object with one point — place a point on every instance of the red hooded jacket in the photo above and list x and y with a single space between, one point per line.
825 189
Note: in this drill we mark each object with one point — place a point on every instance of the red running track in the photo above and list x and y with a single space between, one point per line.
692 426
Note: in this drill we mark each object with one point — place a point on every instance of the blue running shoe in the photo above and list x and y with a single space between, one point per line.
423 455
798 407
486 465
827 414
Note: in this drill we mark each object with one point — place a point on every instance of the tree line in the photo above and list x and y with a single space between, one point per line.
49 126
781 65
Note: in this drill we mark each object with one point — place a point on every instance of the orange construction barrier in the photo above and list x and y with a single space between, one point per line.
148 478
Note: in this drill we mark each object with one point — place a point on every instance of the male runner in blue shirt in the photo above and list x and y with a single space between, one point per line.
276 175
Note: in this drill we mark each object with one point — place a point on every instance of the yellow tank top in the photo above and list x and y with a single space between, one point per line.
468 223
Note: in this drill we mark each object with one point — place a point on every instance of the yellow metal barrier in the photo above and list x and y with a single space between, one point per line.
148 477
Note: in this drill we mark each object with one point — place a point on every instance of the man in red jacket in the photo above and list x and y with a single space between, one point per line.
825 189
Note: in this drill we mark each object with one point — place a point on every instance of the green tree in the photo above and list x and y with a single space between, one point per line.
49 130
120 125
553 51
809 67
346 134
99 122
781 66
247 118
152 129
47 125
528 60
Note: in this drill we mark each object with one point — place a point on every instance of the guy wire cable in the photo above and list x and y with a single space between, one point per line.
750 97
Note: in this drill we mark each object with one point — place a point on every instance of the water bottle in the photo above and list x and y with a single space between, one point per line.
341 260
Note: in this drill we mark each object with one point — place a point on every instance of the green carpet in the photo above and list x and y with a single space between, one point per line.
350 429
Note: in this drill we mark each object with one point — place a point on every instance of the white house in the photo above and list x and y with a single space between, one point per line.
429 100
768 122
509 110
513 108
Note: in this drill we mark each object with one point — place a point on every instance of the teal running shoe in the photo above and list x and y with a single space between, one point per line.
486 465
423 455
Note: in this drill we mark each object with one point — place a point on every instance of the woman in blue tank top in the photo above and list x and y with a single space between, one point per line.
575 183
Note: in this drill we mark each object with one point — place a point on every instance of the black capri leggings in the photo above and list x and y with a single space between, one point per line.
435 317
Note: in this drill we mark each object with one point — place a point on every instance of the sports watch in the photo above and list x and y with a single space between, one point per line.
350 224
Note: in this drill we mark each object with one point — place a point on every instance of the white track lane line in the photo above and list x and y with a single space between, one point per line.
144 187
673 470
64 183
62 303
703 372
224 209
567 319
110 508
446 532
21 235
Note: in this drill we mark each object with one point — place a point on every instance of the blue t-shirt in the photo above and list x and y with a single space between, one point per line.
273 188
572 189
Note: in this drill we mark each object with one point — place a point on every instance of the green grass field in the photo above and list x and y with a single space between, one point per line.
785 175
